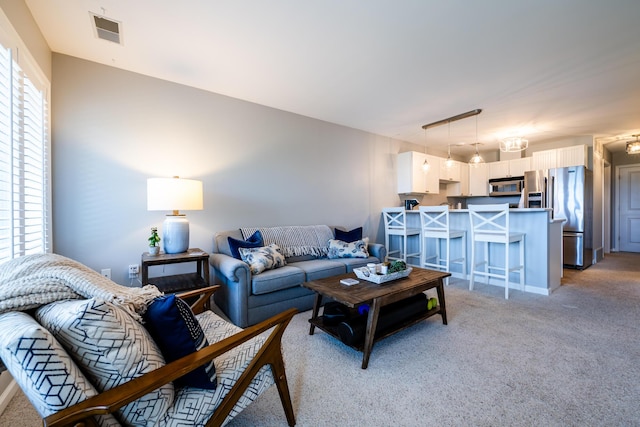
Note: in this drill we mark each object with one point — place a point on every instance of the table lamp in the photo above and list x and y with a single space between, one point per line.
174 194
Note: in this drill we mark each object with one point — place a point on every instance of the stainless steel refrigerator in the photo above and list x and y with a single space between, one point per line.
570 193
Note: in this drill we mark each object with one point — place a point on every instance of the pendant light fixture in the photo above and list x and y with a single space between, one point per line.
513 144
476 159
449 162
425 165
633 147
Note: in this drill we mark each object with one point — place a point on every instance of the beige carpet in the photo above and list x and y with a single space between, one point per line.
569 359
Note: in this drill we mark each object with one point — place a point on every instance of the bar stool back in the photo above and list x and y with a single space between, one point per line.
490 224
395 224
434 221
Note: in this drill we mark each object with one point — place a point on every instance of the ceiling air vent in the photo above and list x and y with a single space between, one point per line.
106 29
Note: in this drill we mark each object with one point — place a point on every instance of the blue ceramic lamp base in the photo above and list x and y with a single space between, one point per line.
175 234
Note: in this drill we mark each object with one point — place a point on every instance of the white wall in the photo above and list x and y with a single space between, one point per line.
113 129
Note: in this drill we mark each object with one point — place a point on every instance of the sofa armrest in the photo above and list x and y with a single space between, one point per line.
111 400
378 250
234 276
233 269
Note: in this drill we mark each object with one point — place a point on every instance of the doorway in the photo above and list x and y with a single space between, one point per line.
629 208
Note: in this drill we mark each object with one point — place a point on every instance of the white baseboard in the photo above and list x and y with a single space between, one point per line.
7 395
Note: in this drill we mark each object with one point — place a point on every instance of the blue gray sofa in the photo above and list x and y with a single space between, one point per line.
248 298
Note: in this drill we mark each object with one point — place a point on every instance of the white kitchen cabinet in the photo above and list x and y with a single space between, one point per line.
411 176
517 167
498 169
451 173
577 155
545 159
509 168
478 180
461 188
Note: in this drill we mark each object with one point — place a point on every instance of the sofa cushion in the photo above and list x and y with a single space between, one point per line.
274 280
176 331
320 268
112 348
42 367
348 236
263 258
253 241
341 249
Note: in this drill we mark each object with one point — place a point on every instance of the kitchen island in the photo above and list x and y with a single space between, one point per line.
543 247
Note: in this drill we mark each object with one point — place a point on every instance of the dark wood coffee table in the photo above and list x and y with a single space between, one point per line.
377 296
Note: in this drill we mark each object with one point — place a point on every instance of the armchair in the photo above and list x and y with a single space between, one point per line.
266 365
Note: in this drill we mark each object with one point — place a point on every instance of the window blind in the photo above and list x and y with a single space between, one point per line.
24 206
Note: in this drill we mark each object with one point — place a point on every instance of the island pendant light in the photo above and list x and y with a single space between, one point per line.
633 147
476 159
449 162
425 165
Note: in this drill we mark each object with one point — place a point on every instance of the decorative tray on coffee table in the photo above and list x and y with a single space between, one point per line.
364 274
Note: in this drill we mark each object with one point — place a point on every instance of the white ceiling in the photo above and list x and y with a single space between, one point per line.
545 69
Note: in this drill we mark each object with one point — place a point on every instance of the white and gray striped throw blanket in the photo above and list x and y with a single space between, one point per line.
31 281
295 240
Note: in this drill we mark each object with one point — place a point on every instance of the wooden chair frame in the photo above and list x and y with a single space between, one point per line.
80 414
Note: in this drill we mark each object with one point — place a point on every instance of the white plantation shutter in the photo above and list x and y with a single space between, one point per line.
24 172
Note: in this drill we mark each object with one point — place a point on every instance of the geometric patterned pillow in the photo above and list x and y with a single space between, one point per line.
263 258
42 368
341 249
112 348
176 331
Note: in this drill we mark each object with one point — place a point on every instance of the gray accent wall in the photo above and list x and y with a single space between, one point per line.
113 129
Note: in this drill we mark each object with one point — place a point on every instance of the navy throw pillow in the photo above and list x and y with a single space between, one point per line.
349 236
177 332
254 241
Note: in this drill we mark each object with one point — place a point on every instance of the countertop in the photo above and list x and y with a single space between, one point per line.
510 210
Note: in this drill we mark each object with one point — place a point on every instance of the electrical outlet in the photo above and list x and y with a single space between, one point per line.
106 272
134 269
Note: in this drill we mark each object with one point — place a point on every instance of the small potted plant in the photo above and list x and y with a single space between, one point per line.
154 249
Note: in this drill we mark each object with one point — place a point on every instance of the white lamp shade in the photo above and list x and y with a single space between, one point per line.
174 194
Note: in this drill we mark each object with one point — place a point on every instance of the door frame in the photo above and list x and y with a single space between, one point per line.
616 240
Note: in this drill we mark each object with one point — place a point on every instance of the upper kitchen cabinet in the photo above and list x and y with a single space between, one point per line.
451 173
461 188
478 180
576 155
509 168
517 167
412 179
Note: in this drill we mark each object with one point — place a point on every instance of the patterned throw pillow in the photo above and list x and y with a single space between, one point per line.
264 258
177 332
42 367
340 249
112 348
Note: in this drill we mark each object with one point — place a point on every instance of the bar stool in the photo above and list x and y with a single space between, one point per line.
395 224
490 224
434 221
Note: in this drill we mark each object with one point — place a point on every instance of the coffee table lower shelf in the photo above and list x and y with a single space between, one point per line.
380 334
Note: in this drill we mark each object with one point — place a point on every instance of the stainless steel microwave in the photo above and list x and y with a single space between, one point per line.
511 186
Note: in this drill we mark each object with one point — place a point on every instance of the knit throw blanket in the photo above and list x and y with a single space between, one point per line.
295 240
34 280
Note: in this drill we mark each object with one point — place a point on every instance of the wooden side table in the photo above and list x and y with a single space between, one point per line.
177 282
